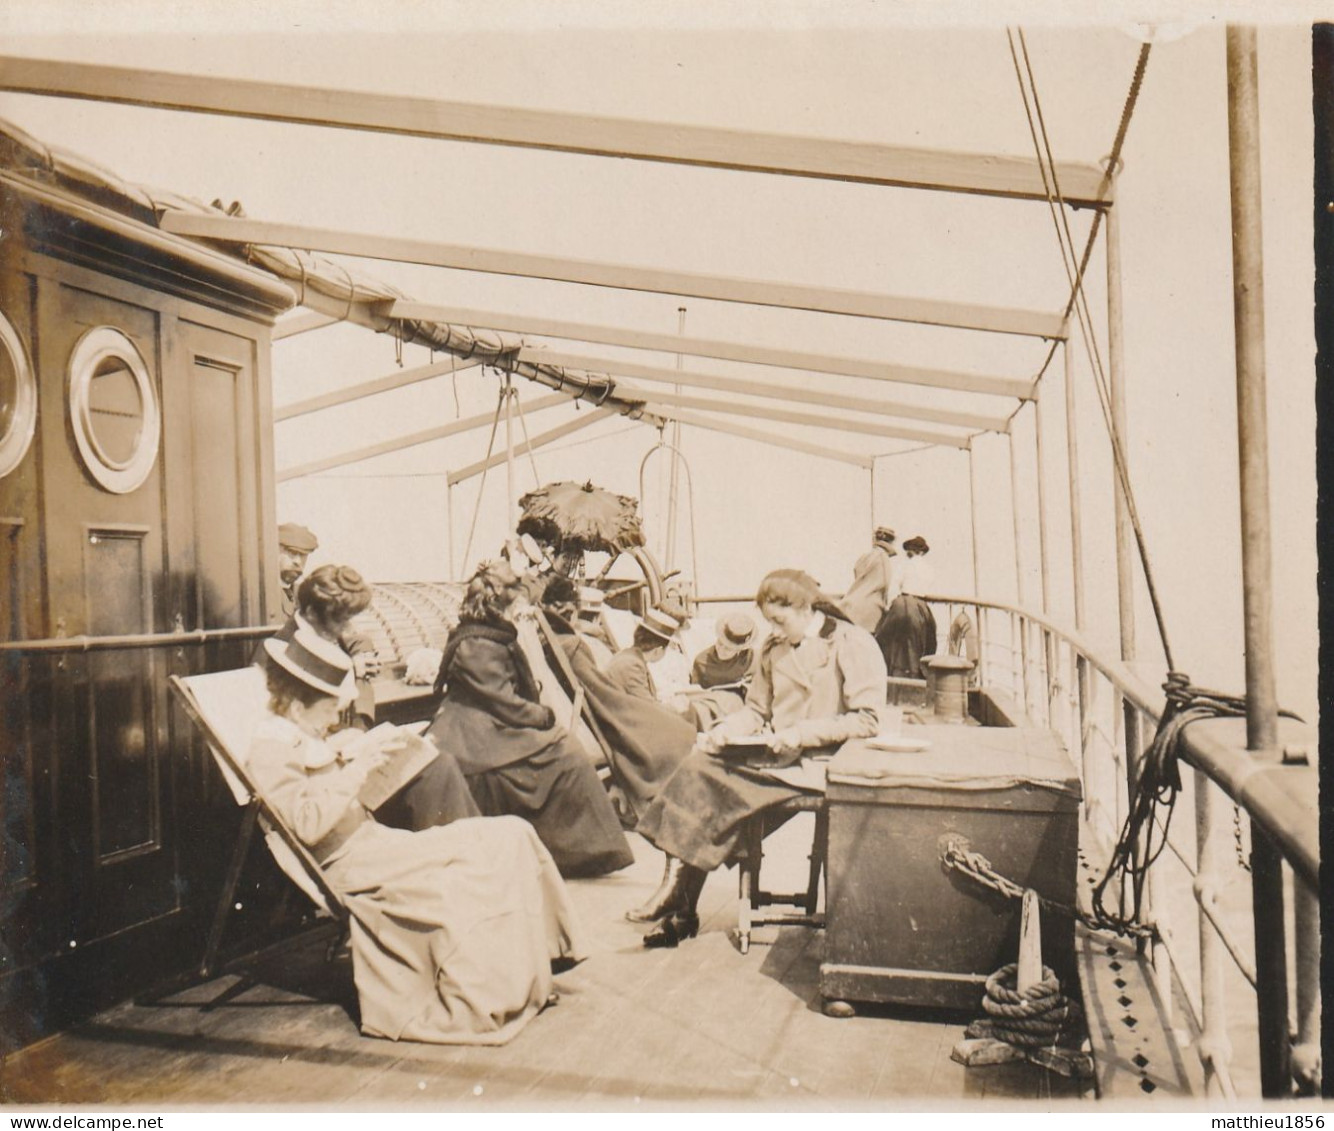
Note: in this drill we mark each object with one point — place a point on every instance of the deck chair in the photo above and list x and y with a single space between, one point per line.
752 897
226 707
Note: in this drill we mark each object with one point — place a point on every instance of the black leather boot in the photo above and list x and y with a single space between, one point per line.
683 920
664 899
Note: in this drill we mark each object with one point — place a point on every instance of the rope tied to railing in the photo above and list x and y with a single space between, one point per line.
957 855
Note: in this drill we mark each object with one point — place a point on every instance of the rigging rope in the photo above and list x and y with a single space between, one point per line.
1078 301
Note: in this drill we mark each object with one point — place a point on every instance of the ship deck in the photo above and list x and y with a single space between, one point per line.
702 1025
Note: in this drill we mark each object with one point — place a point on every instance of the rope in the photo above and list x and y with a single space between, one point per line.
1039 1017
481 487
527 443
1078 301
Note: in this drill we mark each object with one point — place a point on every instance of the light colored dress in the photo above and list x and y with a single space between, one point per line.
453 928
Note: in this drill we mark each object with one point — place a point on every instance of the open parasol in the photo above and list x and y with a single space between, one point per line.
578 517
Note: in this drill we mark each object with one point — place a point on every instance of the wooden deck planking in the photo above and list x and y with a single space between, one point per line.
700 1024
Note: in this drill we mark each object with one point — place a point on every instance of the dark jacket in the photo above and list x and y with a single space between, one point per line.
490 715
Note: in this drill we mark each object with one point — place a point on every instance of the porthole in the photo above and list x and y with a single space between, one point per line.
114 409
18 399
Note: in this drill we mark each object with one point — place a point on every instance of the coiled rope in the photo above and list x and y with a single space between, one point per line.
1038 1017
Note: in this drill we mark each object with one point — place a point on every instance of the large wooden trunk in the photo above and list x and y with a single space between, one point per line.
903 928
141 505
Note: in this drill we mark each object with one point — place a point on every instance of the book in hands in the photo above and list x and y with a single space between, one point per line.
404 760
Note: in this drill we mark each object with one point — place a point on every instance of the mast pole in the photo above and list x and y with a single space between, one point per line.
673 492
1243 119
508 394
1014 514
972 513
1125 577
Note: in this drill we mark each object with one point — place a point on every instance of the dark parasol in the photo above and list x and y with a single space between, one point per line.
578 517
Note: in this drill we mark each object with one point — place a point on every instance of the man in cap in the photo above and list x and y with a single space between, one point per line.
876 581
295 544
629 668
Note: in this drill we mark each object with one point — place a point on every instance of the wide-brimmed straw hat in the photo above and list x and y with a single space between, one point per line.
737 629
316 662
884 534
660 623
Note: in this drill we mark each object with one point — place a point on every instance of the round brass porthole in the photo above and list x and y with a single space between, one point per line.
113 409
18 399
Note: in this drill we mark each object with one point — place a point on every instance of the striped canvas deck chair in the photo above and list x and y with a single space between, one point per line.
226 707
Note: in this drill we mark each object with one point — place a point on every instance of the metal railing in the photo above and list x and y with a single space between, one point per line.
1255 834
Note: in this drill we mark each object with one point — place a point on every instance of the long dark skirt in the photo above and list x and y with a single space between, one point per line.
438 795
698 815
907 635
558 793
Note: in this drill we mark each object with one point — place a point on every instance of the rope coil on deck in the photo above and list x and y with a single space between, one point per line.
1038 1017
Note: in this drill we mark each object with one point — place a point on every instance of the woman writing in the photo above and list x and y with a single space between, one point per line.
820 681
453 928
327 602
515 758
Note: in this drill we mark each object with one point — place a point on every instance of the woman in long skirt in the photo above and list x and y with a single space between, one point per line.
907 632
453 928
516 760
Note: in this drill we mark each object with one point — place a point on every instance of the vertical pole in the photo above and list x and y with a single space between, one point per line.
673 492
1271 965
510 501
1243 120
1252 425
972 513
1215 1049
1306 1054
1076 521
449 519
1125 579
1042 505
1014 513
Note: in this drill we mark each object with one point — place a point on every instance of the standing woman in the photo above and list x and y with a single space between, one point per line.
820 681
515 758
907 634
454 928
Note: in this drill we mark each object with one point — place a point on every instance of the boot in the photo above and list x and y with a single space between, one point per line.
682 922
664 899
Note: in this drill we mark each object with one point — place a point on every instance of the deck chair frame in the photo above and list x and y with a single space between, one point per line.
256 809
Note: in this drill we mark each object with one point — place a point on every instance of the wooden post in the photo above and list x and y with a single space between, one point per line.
507 393
1076 521
1125 578
1014 514
449 520
674 455
1029 972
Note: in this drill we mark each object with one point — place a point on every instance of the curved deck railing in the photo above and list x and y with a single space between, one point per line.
1231 959
1107 716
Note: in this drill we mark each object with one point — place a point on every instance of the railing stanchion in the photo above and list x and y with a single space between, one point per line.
1306 1053
1215 1048
1271 965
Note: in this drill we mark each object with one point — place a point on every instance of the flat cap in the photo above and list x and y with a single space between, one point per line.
297 538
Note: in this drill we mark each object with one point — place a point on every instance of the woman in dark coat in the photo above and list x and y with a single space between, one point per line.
516 760
648 740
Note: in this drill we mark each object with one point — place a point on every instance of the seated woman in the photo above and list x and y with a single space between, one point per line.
820 681
722 671
327 601
647 740
453 929
515 758
629 668
907 632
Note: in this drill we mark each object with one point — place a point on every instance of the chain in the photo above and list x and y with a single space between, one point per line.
1243 857
957 856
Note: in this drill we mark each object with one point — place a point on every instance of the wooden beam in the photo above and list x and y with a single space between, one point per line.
384 447
709 347
761 437
370 388
656 401
300 323
583 420
789 393
823 158
720 288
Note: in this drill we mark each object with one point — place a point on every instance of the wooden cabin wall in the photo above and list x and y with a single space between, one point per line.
116 826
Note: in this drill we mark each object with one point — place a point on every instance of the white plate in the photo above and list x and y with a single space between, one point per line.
898 745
